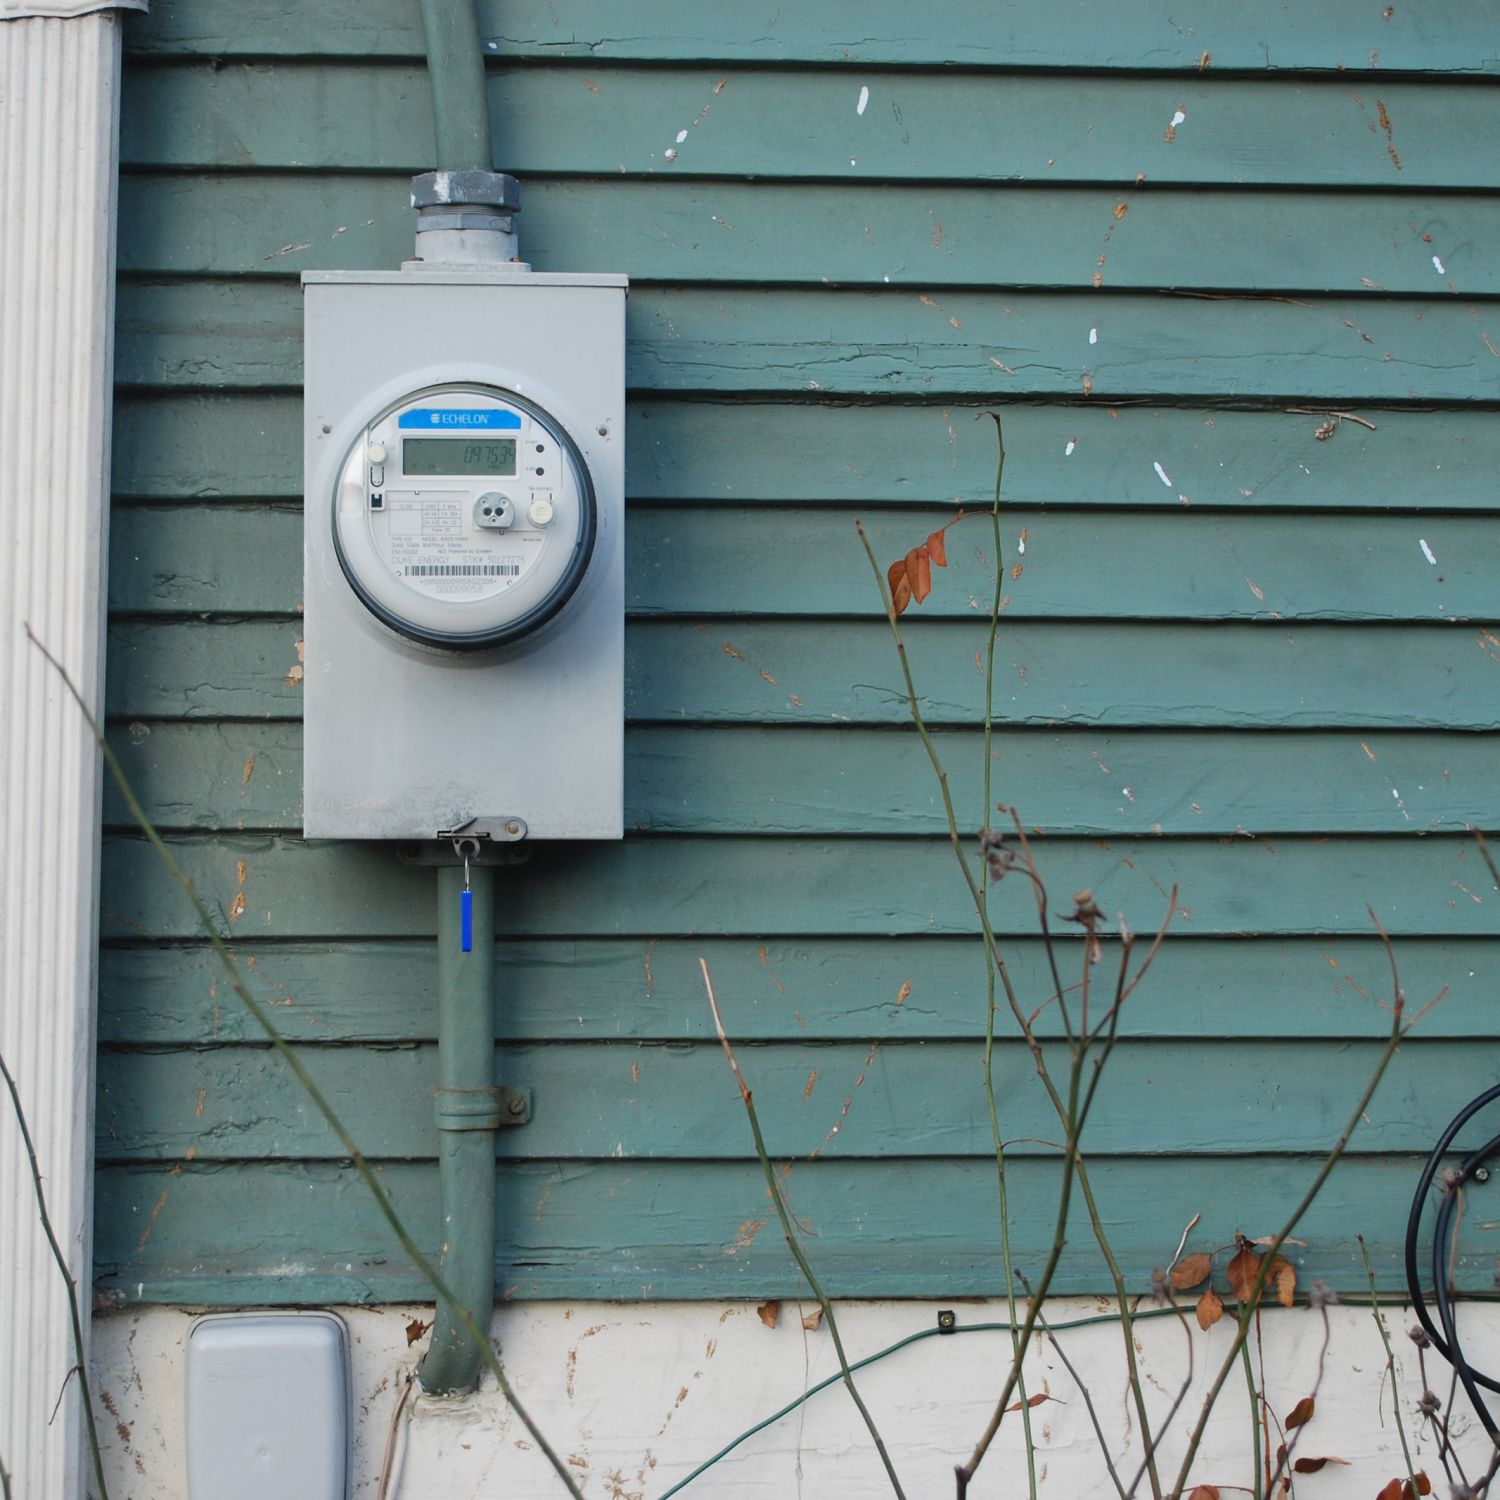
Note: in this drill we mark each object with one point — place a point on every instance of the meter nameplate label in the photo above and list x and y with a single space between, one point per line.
431 544
439 418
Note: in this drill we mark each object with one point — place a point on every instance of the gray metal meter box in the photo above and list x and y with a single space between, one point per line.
268 1407
464 544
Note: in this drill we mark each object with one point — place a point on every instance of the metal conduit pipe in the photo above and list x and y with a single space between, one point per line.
467 1106
455 65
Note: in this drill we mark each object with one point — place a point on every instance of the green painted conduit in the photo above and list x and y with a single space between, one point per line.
455 65
467 1103
468 1116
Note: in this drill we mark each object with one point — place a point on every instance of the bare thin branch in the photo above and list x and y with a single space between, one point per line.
424 1266
1390 1362
80 1353
1083 1391
1483 845
388 1458
1323 411
779 1201
1154 1442
1182 1242
1252 1303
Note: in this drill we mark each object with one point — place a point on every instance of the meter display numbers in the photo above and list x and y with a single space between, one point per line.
427 456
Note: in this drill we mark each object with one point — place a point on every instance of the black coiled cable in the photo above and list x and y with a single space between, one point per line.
1446 1342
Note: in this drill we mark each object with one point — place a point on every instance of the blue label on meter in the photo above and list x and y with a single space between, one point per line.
451 419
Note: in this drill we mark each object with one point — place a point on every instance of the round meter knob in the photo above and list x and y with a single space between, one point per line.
464 516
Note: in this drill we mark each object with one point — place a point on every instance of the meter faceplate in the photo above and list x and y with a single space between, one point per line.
463 516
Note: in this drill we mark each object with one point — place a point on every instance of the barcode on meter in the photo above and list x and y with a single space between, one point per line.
464 570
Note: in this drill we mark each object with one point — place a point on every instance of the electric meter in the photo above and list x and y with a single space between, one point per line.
462 661
464 516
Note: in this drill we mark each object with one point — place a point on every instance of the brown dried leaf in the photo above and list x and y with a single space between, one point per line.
1312 1465
900 589
1301 1413
937 548
768 1312
1191 1270
414 1330
1035 1400
1210 1309
1392 1491
1282 1275
919 573
1242 1271
1204 1492
814 1320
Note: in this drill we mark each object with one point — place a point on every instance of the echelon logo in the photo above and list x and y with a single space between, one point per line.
487 419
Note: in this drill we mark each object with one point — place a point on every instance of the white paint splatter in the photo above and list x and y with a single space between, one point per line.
681 136
1178 116
671 153
1437 266
1021 545
1161 474
1093 335
853 162
864 99
1068 451
1426 550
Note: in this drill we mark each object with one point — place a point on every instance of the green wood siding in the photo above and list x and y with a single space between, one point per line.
1235 656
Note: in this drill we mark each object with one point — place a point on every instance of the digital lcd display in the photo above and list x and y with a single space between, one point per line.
458 456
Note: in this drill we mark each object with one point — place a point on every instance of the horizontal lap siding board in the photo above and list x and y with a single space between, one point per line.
275 887
195 774
1242 652
244 334
1033 236
810 990
664 1102
1146 35
918 127
269 1232
175 444
713 560
808 671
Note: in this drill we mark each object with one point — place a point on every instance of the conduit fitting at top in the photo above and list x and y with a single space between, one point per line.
466 218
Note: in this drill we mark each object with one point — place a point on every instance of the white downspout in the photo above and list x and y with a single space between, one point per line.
59 163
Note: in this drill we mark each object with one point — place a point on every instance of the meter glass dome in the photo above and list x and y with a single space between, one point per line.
463 516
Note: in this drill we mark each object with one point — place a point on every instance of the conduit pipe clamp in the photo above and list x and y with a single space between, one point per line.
481 1109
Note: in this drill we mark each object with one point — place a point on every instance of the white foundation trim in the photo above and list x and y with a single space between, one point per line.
634 1396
